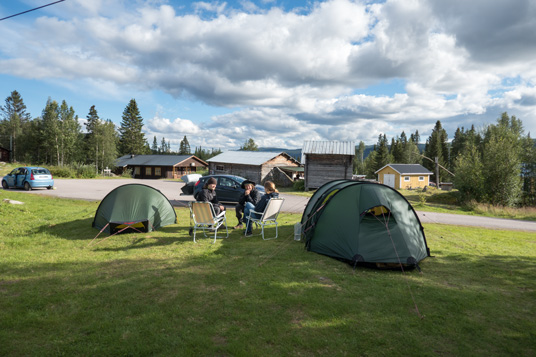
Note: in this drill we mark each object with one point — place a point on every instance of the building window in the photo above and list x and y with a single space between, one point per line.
137 170
220 168
157 171
421 178
406 178
148 171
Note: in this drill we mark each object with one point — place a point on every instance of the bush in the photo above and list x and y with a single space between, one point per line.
61 171
86 171
127 173
299 185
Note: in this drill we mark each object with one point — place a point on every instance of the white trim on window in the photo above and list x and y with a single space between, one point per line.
421 178
406 178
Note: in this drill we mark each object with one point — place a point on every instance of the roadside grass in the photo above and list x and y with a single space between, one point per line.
159 293
434 200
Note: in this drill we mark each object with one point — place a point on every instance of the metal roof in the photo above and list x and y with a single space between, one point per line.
246 157
408 169
152 160
329 147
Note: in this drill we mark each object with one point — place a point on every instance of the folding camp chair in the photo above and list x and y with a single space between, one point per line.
268 217
205 219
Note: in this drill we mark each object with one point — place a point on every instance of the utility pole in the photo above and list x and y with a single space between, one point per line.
437 166
437 171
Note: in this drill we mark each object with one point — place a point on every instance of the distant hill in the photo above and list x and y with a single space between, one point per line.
296 153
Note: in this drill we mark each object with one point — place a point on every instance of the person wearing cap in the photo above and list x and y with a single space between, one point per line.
251 195
208 194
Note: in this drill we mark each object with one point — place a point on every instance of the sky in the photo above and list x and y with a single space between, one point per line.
277 71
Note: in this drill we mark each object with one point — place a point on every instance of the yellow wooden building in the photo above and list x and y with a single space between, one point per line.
404 176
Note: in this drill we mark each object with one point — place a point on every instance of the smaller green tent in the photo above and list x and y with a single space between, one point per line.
134 207
364 223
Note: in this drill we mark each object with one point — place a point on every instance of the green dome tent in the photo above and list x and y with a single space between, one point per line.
134 207
363 223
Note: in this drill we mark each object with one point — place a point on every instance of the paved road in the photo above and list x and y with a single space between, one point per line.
96 190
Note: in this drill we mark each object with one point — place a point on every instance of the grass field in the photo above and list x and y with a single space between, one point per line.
159 293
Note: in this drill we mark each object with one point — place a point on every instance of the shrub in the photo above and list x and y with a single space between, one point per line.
422 199
85 171
299 185
127 173
61 171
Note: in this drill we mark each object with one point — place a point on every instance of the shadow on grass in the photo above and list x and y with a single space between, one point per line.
81 229
218 303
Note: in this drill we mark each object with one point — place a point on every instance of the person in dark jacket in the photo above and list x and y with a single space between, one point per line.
208 194
271 192
252 195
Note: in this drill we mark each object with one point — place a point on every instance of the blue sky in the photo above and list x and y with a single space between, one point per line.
279 72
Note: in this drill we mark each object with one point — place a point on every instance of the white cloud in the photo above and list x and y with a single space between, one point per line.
178 126
292 75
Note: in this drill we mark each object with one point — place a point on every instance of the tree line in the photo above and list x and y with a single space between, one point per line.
495 165
57 138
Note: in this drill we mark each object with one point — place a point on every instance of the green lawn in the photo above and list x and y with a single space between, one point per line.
159 293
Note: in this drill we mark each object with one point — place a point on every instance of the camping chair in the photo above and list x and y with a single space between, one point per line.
268 217
205 218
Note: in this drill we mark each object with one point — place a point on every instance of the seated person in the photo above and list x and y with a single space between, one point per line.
250 195
208 194
271 192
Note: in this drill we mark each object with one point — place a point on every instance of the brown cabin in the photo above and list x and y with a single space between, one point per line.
160 166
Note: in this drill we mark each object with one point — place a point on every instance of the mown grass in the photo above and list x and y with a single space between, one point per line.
159 293
434 200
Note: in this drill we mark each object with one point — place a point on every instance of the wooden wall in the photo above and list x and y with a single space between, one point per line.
251 172
320 169
4 155
279 160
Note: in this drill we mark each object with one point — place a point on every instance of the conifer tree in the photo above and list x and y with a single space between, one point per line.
383 157
14 118
184 148
154 148
131 137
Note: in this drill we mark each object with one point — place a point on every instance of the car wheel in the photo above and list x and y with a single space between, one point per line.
49 188
27 186
4 185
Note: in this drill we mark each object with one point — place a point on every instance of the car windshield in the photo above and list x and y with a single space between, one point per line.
40 172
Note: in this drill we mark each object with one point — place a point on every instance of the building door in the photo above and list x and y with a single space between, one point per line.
389 180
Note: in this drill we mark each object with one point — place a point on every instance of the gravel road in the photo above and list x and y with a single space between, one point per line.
96 190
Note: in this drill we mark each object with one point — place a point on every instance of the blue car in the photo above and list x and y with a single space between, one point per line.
28 178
